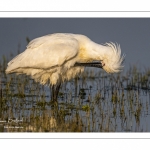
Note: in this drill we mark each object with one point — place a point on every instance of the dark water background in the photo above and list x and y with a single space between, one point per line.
93 102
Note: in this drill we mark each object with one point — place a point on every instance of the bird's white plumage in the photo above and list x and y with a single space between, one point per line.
46 52
51 58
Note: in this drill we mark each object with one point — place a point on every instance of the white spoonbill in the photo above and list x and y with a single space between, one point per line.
58 57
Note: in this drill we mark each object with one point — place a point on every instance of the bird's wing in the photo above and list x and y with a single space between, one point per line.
46 52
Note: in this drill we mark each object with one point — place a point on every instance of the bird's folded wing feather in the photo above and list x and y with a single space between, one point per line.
46 52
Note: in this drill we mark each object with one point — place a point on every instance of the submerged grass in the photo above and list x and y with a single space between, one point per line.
93 102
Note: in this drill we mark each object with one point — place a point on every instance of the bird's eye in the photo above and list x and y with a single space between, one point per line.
103 64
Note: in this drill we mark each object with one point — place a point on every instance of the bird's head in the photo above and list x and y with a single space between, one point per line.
112 59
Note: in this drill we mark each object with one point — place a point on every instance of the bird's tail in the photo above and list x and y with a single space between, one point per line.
13 65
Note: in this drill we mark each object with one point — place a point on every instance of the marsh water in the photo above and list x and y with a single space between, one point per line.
93 102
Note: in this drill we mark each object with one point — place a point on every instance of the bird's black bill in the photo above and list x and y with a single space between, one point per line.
92 64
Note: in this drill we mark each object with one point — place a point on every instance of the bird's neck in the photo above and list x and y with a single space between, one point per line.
92 51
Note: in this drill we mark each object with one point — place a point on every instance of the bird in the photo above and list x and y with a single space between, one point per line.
55 58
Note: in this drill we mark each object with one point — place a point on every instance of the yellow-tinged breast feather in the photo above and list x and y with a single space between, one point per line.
83 55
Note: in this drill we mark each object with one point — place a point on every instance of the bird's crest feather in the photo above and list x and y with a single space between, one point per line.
113 60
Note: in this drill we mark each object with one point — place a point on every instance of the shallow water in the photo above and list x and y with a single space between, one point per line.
93 102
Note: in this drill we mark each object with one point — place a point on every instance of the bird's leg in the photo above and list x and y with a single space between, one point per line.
55 91
54 102
52 92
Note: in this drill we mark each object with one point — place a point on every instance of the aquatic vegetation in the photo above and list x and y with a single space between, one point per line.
92 102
